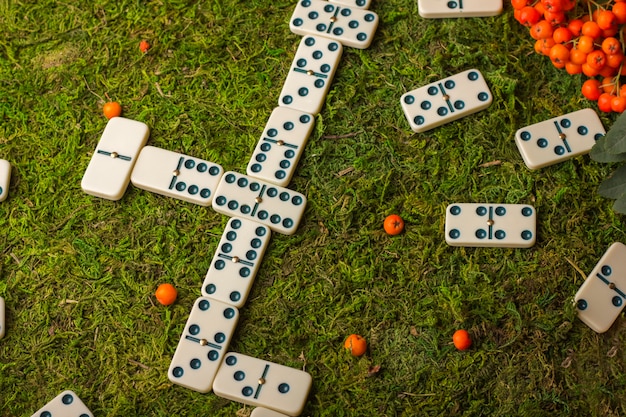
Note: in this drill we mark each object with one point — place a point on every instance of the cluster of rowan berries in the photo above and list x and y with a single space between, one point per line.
582 37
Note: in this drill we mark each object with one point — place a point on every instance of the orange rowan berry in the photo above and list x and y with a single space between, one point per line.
591 29
166 294
607 71
562 35
559 55
546 45
573 69
619 10
611 46
577 56
144 46
585 43
618 104
540 7
552 5
606 20
604 102
596 59
112 109
541 30
608 85
615 60
575 26
589 71
555 18
355 344
591 89
462 339
528 16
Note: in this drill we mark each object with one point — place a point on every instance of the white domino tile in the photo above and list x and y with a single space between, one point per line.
66 404
240 195
108 173
281 145
351 26
5 179
176 175
491 225
261 383
236 261
434 9
203 344
446 100
559 139
311 74
600 299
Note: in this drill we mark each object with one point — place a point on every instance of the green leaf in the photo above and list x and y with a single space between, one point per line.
616 136
601 151
615 186
620 205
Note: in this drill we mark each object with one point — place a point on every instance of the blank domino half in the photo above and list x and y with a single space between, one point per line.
491 225
108 173
266 412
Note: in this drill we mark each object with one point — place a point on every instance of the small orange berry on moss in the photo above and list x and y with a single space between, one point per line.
357 345
166 294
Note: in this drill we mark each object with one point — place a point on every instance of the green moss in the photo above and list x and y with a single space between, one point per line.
78 273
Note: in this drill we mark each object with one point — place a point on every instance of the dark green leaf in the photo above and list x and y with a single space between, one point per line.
601 152
616 136
615 186
620 205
